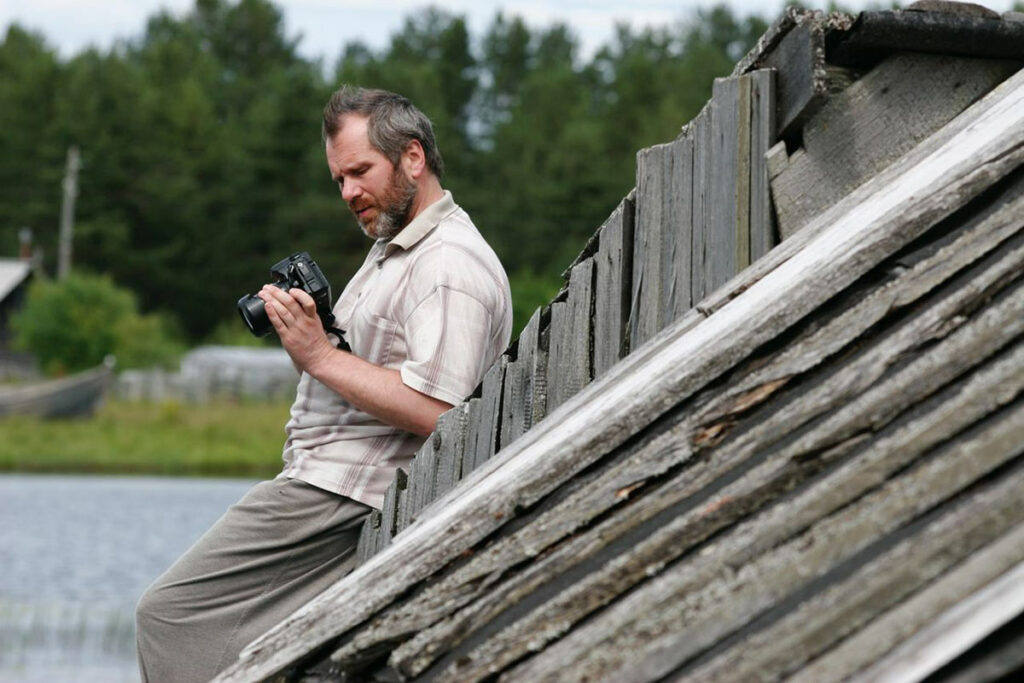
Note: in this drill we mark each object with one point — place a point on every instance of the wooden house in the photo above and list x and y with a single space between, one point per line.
14 277
772 427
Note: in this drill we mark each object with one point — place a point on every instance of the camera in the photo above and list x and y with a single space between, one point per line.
298 270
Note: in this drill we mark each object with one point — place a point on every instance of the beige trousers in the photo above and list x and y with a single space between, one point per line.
282 544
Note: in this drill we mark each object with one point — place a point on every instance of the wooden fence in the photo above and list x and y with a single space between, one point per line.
699 214
214 372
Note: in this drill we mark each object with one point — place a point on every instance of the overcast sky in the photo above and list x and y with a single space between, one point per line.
326 25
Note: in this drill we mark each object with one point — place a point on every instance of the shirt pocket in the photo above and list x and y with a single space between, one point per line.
372 336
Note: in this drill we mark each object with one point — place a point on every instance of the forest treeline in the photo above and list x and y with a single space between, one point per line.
202 163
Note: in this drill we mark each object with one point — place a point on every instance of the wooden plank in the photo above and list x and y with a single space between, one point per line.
521 390
982 234
897 573
424 491
720 248
539 379
870 124
762 139
451 433
889 213
964 406
776 159
420 485
569 360
367 545
702 184
742 182
513 400
716 603
482 437
612 278
389 511
802 84
955 632
952 30
646 315
472 423
676 267
944 139
915 616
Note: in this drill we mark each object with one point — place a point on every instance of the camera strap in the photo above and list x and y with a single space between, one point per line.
340 334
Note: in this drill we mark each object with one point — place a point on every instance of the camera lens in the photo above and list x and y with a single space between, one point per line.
254 313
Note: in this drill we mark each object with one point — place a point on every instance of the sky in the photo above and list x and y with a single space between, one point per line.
327 25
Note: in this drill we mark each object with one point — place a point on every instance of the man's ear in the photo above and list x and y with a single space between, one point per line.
414 160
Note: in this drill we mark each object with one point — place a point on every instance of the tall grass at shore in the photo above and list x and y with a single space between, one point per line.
171 438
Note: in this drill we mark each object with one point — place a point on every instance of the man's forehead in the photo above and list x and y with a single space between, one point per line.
352 140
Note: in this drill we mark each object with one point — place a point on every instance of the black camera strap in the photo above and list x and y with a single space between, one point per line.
340 334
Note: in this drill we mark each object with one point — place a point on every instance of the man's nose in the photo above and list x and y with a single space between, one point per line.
350 190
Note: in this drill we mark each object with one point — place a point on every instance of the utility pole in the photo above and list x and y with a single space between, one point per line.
67 213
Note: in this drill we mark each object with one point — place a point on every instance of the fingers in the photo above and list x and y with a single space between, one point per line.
304 299
286 308
290 299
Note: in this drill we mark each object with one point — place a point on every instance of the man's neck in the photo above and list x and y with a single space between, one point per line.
429 192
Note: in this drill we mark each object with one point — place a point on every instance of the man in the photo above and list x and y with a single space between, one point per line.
425 316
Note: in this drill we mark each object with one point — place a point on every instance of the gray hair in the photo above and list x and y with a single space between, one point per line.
393 122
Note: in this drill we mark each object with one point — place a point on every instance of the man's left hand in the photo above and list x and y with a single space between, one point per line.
293 315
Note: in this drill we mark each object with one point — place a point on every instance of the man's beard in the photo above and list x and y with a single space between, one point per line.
392 208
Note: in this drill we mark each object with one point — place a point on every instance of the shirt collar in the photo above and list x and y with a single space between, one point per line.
420 226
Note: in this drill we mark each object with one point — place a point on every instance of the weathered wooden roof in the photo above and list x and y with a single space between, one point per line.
12 273
811 469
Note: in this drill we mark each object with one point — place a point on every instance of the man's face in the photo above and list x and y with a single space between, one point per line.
379 194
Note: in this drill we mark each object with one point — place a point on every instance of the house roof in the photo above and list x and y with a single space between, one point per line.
813 471
12 273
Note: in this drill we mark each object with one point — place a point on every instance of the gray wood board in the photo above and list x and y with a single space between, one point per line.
762 138
647 314
896 574
524 382
944 138
721 246
369 535
612 278
904 389
654 378
389 511
879 636
870 124
799 60
676 268
569 358
483 433
717 603
420 487
702 183
451 434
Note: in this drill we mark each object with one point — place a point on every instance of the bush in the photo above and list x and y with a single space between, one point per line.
74 324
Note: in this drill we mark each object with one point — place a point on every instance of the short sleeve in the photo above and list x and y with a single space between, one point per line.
447 336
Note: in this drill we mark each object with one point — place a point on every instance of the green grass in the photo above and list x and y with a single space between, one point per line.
219 439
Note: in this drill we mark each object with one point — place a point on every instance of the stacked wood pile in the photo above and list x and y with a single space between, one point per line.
813 472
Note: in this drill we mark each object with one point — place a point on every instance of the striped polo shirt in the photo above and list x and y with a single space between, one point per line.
432 303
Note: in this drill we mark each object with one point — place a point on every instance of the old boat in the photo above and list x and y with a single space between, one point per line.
75 396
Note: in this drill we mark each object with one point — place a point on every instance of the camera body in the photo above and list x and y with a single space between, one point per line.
298 270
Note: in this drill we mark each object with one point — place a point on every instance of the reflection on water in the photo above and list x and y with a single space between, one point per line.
76 553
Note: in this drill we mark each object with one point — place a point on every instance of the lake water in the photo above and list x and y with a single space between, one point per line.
75 555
